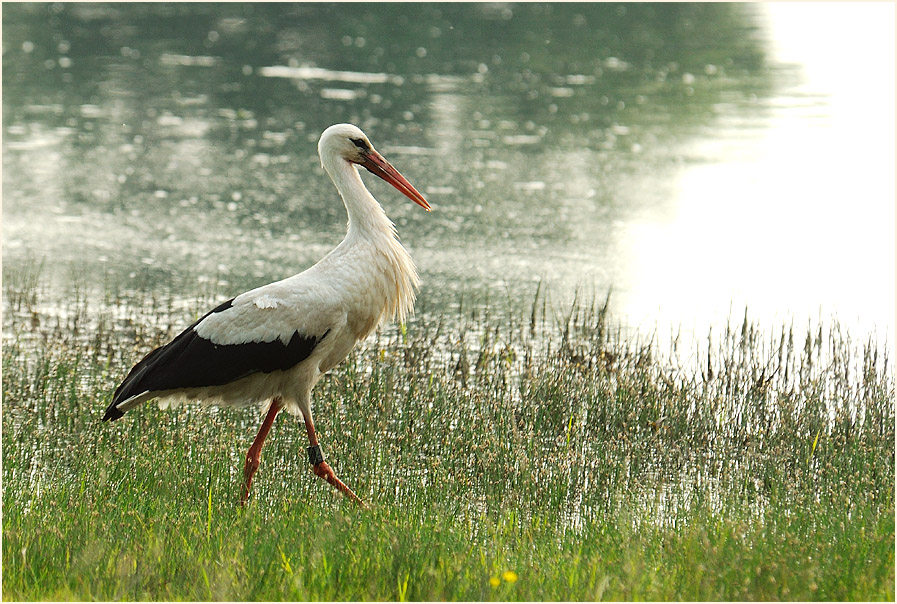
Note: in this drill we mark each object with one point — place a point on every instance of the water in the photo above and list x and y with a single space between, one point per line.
695 159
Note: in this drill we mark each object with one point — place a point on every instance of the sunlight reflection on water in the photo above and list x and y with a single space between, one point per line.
793 217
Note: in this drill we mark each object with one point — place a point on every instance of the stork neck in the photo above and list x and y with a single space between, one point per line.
366 215
394 278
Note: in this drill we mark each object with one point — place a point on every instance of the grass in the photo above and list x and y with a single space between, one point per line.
511 455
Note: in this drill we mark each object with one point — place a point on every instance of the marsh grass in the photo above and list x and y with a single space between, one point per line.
506 455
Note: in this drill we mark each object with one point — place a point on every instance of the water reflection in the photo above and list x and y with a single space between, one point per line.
791 213
695 158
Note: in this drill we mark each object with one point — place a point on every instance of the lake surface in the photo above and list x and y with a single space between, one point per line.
696 160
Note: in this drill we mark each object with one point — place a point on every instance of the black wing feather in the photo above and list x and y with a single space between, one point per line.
191 361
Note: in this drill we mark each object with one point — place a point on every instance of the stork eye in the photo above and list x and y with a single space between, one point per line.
361 143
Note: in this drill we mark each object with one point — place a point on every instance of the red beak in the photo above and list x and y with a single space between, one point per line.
378 166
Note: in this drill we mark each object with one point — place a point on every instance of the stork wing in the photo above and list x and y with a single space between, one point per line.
205 354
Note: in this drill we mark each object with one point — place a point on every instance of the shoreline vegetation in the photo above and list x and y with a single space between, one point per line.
541 455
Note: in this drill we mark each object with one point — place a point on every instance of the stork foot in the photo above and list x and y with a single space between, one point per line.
252 464
323 470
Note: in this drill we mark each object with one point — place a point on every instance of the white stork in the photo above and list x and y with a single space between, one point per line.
269 346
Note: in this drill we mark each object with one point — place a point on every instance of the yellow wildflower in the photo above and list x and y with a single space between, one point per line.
494 581
509 575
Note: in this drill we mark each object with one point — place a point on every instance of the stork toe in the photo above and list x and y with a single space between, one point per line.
323 470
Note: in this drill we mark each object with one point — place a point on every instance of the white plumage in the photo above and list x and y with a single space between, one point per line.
272 344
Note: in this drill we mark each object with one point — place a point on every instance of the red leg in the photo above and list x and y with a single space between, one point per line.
253 457
322 469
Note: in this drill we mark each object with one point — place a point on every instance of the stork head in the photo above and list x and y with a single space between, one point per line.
349 143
